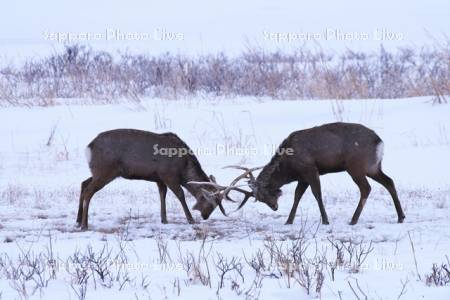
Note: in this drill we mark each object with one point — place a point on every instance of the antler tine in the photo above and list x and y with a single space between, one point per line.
220 190
236 167
235 188
248 195
223 191
243 202
248 172
242 168
222 209
237 179
208 183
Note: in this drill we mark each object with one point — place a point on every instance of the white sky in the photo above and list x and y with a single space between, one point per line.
212 26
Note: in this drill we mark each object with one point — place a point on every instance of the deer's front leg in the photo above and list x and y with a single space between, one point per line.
299 191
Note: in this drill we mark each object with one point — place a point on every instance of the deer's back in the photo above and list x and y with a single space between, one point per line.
332 147
136 154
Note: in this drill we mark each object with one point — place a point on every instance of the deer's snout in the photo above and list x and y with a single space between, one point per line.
274 207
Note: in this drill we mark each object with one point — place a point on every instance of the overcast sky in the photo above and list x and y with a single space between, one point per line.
211 26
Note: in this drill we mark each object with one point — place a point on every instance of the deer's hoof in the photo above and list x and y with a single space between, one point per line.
164 221
84 228
288 222
353 222
401 219
325 222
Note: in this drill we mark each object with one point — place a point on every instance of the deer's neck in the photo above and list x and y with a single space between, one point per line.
193 173
274 175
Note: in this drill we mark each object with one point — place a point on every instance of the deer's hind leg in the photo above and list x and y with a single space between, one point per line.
388 183
95 185
359 177
84 184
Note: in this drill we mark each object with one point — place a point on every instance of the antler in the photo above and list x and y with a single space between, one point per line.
223 191
247 174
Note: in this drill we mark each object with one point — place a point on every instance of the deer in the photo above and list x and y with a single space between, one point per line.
307 154
141 155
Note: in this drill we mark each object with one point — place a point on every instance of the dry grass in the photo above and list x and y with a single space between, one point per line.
80 72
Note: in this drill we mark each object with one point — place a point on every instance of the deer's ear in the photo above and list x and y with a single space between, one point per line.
212 178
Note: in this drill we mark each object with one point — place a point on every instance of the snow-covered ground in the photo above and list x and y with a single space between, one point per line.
41 172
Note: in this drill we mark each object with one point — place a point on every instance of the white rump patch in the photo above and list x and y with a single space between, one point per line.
379 152
88 154
374 166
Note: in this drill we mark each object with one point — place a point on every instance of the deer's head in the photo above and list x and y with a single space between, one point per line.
207 198
266 194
